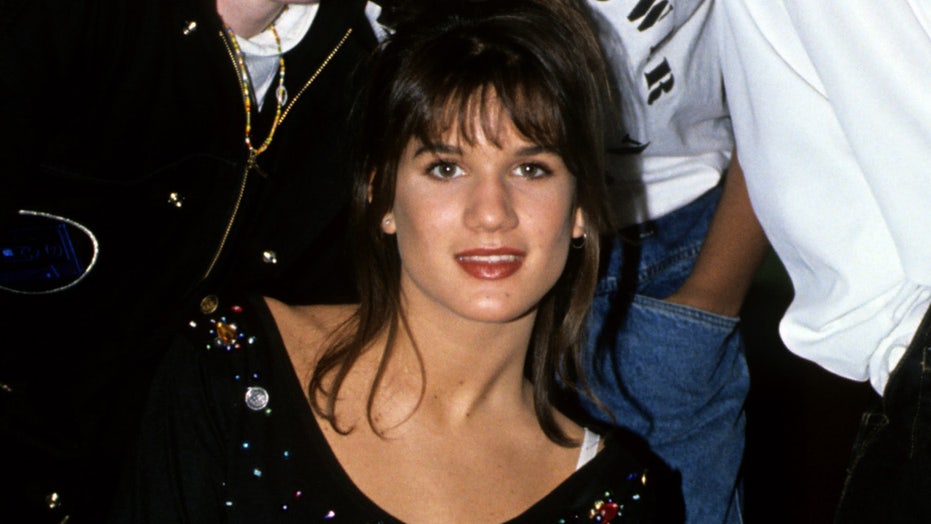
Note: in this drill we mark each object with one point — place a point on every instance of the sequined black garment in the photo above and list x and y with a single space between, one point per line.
229 437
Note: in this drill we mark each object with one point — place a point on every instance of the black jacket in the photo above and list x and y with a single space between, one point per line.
127 117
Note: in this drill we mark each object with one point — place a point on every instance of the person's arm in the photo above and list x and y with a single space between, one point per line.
731 254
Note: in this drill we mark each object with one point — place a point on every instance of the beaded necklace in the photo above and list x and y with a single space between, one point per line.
281 95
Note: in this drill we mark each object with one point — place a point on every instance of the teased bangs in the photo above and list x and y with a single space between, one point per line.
471 96
470 111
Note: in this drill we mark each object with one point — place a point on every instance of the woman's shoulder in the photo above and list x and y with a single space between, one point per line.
223 335
318 319
306 330
235 335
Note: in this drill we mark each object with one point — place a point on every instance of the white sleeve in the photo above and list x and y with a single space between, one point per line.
832 119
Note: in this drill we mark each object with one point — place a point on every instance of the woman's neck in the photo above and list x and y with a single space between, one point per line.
248 18
468 368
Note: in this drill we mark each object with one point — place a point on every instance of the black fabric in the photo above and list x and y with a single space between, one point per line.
889 476
204 456
109 107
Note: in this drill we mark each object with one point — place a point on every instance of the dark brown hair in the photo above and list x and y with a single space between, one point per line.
541 60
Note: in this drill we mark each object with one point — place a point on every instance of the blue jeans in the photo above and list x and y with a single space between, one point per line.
889 476
675 375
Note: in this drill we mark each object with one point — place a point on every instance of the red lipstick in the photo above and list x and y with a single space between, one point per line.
491 264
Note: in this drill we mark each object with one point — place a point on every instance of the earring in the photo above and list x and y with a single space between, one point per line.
578 242
387 221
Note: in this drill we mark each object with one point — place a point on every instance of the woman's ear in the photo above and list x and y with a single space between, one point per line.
578 228
387 224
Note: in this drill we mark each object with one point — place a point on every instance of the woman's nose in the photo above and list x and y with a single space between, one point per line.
490 205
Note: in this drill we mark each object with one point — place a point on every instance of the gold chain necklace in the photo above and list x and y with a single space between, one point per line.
246 84
282 94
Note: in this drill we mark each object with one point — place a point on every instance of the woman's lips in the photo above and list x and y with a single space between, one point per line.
490 264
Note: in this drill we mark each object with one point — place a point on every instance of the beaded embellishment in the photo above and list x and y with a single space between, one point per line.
608 509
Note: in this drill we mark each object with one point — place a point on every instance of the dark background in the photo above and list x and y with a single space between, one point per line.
801 419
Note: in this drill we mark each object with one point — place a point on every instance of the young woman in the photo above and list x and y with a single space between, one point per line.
479 203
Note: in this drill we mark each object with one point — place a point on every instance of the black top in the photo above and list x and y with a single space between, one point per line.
229 436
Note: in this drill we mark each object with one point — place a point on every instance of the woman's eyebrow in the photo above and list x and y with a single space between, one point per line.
437 148
454 150
535 150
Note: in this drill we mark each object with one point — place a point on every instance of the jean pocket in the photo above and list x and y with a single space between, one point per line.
687 316
669 354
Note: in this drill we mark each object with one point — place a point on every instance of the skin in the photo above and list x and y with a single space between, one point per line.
732 252
248 18
457 199
464 430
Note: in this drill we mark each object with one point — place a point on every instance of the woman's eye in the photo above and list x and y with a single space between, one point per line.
532 170
444 170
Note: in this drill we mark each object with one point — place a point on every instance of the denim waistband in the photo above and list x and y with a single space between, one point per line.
672 225
671 235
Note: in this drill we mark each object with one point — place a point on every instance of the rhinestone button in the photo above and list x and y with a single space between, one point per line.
209 304
256 398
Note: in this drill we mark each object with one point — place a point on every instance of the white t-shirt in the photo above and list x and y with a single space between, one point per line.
831 103
664 58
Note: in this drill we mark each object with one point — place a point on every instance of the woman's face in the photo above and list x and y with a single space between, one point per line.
483 230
